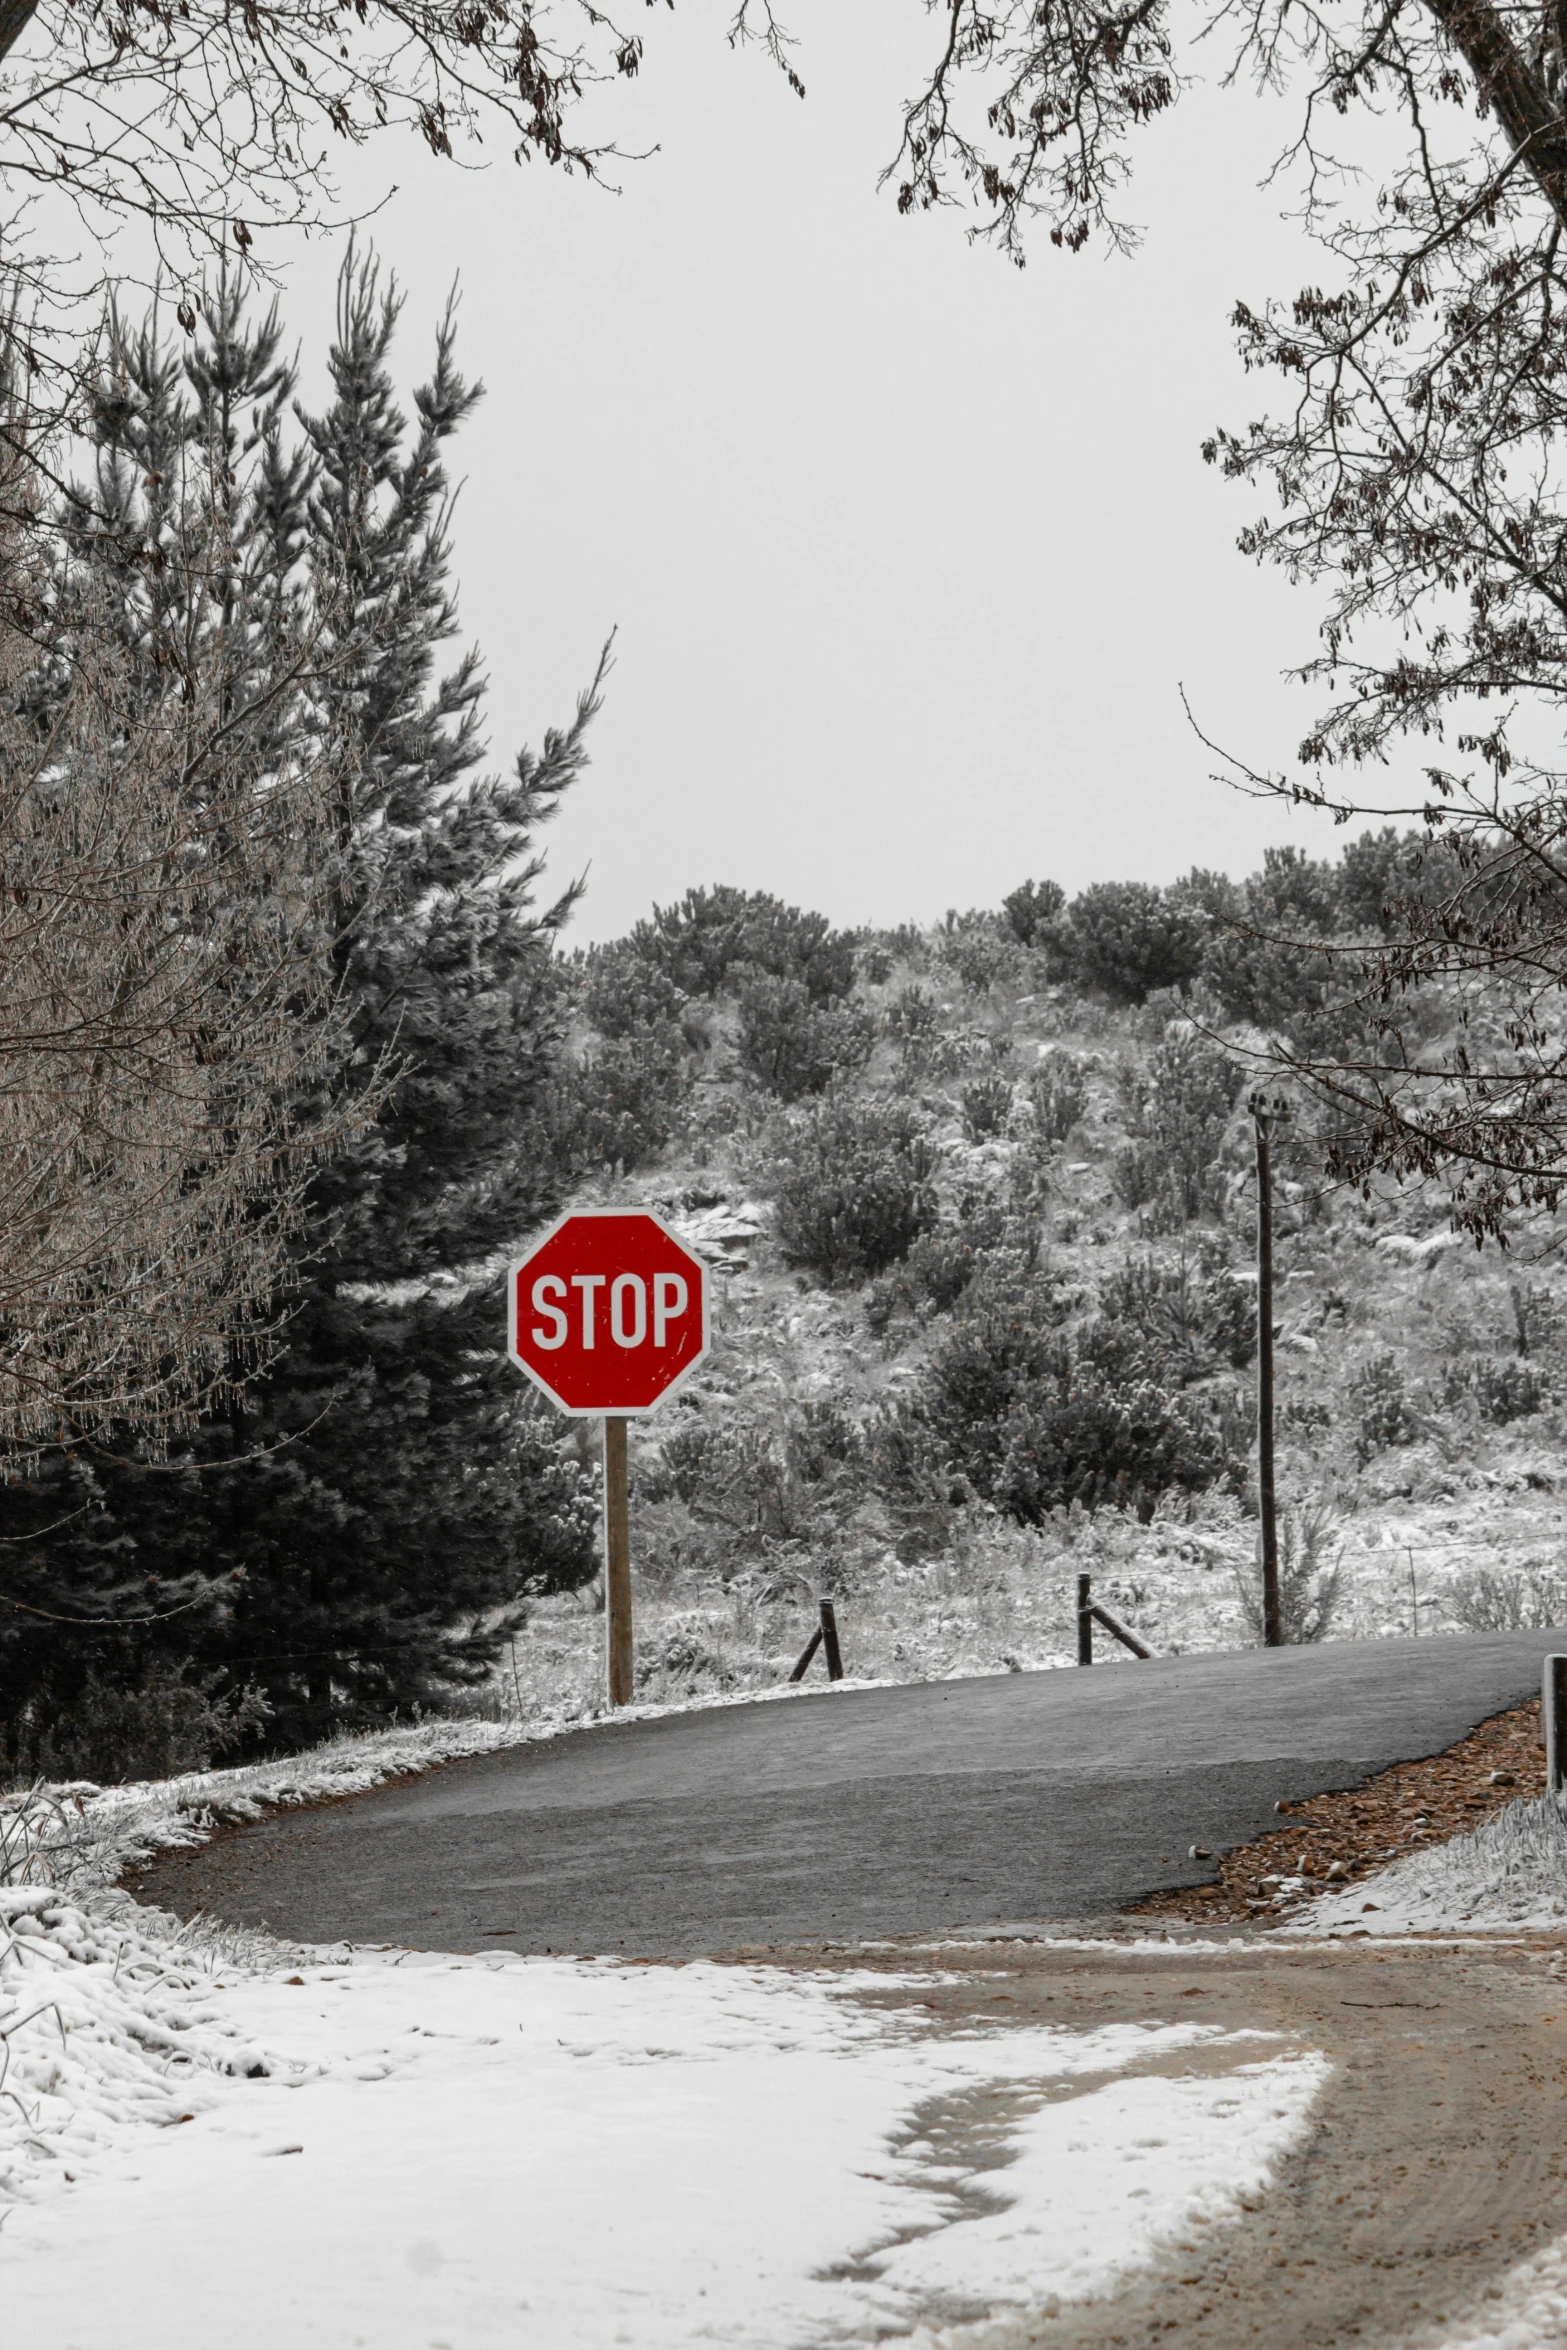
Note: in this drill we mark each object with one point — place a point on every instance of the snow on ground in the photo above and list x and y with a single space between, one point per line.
411 2152
1524 2310
1512 1871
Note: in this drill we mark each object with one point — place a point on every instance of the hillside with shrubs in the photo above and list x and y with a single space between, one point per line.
980 1205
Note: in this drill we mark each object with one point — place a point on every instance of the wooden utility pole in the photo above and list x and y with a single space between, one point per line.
1266 1109
617 1564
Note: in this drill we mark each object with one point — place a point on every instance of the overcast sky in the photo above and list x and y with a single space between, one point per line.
908 552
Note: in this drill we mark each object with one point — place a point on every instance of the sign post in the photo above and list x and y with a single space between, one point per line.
619 1646
607 1315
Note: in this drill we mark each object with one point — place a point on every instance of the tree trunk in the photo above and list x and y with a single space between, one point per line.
15 17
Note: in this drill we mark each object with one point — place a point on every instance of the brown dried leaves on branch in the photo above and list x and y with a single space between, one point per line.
1414 474
208 120
170 1041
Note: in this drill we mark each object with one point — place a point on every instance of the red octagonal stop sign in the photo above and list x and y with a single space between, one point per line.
608 1312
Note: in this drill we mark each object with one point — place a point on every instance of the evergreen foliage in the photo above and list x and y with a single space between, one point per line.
699 942
351 1540
1020 1409
791 1043
854 1192
1027 909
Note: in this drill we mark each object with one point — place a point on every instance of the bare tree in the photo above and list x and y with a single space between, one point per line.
1414 475
168 1006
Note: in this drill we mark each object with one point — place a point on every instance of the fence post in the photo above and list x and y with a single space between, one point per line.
1554 1708
1085 1619
830 1642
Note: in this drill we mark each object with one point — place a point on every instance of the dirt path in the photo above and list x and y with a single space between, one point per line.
1438 2158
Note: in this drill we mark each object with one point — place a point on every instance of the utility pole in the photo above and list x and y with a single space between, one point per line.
1267 1110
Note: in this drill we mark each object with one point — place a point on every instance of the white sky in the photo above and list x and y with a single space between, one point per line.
908 551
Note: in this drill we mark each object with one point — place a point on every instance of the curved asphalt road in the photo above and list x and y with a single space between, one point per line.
853 1813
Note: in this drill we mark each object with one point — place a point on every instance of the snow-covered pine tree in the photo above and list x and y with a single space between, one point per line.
386 1493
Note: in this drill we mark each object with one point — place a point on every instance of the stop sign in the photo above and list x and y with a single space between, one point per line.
608 1312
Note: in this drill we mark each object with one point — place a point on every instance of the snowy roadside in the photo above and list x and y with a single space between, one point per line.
548 2152
402 2150
1510 1872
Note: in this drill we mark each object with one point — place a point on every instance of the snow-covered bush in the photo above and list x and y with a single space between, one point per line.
1383 1413
1178 1108
987 1105
700 941
1127 939
789 1043
1311 1577
1507 1599
1173 1322
1509 1390
623 993
1033 1425
854 1187
140 1717
1058 1094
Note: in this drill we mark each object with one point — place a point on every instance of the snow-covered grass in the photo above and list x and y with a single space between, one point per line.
105 2028
398 2151
1512 1871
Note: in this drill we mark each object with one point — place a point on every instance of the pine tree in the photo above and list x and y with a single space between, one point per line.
360 1534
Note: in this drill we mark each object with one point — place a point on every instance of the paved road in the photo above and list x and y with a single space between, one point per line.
854 1813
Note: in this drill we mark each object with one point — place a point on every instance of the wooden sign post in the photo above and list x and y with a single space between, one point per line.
618 1644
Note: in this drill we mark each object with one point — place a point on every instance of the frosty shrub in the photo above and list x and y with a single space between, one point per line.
853 1187
44 1839
1260 960
1536 1316
617 1108
753 1488
1027 909
789 1043
1175 1323
1503 1391
1177 1111
700 942
624 994
1518 1599
978 949
679 1466
1033 1426
935 1273
1310 1578
1383 1416
129 1720
1127 938
683 1651
987 1105
1080 1438
913 1021
1058 1095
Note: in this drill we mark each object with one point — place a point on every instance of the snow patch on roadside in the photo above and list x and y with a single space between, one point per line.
543 2154
103 2031
1511 1871
1524 2310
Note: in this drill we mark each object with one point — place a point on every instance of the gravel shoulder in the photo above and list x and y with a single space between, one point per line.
1338 1838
